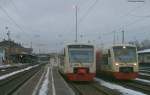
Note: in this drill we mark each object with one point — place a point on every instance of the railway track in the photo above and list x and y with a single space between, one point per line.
136 85
145 71
9 85
144 77
91 88
132 84
10 69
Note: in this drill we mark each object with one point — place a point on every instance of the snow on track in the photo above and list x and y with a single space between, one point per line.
145 71
8 65
145 68
5 66
144 74
44 88
16 72
123 90
142 80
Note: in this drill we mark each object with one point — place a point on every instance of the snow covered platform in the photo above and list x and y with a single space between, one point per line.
61 87
53 83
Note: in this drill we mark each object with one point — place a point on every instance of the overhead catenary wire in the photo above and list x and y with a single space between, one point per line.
15 7
127 14
10 18
88 11
12 2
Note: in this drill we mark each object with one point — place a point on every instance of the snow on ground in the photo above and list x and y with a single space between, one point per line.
16 72
123 90
5 66
44 88
145 68
145 71
142 80
145 74
12 65
3 70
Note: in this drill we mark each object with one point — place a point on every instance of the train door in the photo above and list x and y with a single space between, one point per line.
109 57
109 65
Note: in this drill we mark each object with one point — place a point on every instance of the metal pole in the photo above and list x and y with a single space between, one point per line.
123 37
114 38
76 40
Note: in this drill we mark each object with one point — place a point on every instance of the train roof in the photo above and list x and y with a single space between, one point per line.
105 50
79 44
144 51
123 45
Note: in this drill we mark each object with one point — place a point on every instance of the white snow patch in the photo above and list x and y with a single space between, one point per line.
5 66
145 68
3 70
144 74
145 71
123 90
44 87
53 85
142 80
16 72
8 65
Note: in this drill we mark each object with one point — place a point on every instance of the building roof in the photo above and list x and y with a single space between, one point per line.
7 43
15 47
144 51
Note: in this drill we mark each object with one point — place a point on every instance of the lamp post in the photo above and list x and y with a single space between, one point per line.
76 23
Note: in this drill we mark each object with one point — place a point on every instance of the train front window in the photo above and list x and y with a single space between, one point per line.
125 54
81 55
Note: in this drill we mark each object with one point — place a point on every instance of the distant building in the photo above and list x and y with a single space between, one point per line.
144 56
2 55
12 48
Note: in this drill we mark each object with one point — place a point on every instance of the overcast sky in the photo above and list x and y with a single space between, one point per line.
49 24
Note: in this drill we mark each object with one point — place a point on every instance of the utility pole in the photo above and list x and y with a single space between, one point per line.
123 41
76 18
8 34
31 44
114 40
9 41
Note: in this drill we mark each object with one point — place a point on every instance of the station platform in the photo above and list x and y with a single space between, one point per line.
56 84
47 82
61 86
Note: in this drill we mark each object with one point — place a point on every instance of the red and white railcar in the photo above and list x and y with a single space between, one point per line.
119 61
78 62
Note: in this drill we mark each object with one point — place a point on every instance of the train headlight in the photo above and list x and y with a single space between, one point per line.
117 64
124 47
134 64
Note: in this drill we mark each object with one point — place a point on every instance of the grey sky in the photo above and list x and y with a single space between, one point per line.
48 24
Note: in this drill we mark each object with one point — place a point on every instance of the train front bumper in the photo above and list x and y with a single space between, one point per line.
125 76
80 77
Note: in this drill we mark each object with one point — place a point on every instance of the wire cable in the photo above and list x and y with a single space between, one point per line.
16 24
88 11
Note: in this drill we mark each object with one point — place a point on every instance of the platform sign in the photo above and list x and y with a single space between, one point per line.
136 0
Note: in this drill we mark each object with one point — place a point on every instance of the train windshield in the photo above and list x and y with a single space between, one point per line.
125 54
81 55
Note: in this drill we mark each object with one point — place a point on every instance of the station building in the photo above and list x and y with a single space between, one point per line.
144 56
10 48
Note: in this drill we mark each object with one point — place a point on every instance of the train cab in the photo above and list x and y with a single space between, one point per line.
120 61
78 62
